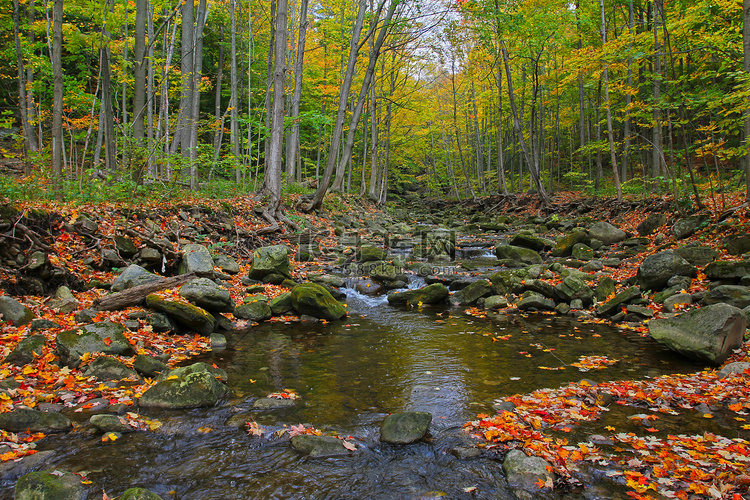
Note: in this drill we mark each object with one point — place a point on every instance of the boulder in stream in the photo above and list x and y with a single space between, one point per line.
315 300
405 427
49 485
319 446
708 334
524 473
23 419
430 294
188 315
192 386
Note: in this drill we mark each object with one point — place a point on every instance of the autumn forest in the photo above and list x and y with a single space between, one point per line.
457 98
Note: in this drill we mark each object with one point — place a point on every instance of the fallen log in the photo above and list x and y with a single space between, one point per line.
134 296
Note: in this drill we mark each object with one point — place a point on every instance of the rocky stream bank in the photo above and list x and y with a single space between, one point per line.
104 307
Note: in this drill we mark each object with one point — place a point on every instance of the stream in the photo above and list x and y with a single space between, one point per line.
349 375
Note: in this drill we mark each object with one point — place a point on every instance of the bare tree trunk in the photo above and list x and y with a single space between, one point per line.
294 156
234 124
374 147
57 103
502 187
346 84
517 125
181 139
746 68
610 134
202 16
272 178
218 116
29 137
110 141
656 86
139 89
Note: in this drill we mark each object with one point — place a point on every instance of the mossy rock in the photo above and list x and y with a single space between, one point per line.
48 485
315 300
105 337
188 315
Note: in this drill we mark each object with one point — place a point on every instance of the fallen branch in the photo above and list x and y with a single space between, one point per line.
133 296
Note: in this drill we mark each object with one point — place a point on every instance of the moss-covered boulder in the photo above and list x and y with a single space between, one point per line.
405 427
257 310
14 312
281 303
188 315
23 419
564 246
191 386
430 294
512 256
105 337
26 350
49 485
473 292
270 260
205 293
314 300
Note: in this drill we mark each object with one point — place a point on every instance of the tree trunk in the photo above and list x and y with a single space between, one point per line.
272 178
202 16
628 98
29 137
57 96
181 139
610 134
746 67
139 89
218 116
234 124
293 160
656 88
346 84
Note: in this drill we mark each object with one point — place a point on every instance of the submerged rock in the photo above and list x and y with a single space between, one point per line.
319 446
524 472
406 427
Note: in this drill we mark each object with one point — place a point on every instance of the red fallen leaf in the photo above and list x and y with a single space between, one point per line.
108 341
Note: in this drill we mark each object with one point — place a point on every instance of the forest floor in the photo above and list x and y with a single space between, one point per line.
699 466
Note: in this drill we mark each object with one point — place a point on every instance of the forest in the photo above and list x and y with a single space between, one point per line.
453 98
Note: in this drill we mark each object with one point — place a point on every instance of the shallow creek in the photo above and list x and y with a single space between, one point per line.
349 376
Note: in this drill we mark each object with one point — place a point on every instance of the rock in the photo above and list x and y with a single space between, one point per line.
546 289
732 368
139 494
367 286
640 311
471 293
270 260
22 420
12 470
582 252
319 446
205 293
676 301
150 255
56 485
125 246
689 225
46 324
571 288
535 301
405 427
161 323
564 246
528 241
108 368
197 259
430 294
111 423
105 337
736 295
315 300
26 350
188 315
272 403
606 233
190 386
656 270
149 366
697 255
606 287
737 244
651 223
226 264
524 472
562 309
133 275
281 304
727 270
511 256
708 334
371 253
14 312
218 341
495 302
614 303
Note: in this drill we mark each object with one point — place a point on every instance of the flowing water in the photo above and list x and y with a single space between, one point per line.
349 376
